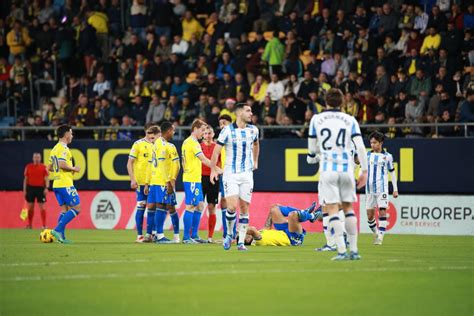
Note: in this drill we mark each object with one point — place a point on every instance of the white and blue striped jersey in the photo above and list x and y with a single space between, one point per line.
380 164
238 144
334 131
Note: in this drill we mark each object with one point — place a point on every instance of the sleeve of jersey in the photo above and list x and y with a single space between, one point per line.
256 135
355 129
390 164
312 128
133 152
173 175
64 156
197 150
222 139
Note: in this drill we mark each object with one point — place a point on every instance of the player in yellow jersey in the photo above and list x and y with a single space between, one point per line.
62 170
193 158
137 166
161 182
287 222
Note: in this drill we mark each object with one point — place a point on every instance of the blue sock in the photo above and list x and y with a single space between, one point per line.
175 220
150 221
188 223
139 215
160 218
59 219
304 216
65 219
235 227
224 224
196 222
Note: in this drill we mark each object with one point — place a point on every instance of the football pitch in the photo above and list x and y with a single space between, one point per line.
105 273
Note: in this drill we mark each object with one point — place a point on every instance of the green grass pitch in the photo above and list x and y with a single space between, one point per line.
105 273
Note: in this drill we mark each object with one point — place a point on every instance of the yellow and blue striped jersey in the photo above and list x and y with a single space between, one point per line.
141 153
61 178
192 165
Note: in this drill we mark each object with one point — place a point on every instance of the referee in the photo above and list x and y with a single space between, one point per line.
35 187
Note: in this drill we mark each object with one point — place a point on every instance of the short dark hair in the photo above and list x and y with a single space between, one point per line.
225 117
62 130
166 126
378 136
334 98
240 105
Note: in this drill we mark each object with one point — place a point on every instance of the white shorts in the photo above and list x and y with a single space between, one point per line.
374 200
240 184
335 187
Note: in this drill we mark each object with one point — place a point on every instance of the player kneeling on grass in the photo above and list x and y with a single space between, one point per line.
376 190
287 222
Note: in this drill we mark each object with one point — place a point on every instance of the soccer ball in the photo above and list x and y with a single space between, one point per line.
46 236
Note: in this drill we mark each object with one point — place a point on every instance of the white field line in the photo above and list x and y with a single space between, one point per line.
55 263
226 272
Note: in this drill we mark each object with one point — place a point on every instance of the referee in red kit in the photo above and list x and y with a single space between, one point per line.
35 187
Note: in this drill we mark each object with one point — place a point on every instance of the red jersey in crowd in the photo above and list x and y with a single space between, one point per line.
35 174
207 151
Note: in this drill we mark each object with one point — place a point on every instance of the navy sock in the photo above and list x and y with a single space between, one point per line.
188 223
150 221
224 223
160 218
139 215
65 219
175 220
196 222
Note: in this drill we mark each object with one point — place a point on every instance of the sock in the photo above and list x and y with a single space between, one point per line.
196 222
372 225
188 223
65 219
150 221
43 217
304 216
139 215
327 232
342 217
224 222
230 222
160 218
63 233
336 225
31 213
243 224
235 226
175 220
212 225
351 228
382 224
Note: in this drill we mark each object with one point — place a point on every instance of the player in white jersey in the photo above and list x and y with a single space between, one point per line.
240 140
330 135
376 190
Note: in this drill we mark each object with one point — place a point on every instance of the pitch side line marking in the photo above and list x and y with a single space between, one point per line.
230 272
54 263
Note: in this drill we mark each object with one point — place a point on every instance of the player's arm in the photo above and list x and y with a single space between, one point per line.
131 160
268 222
173 174
46 182
393 174
64 166
25 180
362 154
213 162
256 153
313 148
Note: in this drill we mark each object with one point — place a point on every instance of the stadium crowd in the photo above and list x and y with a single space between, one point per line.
124 63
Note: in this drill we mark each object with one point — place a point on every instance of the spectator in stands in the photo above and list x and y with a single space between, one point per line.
18 40
191 26
111 133
101 86
125 133
258 90
138 110
274 54
381 83
431 42
446 131
419 84
414 112
466 111
138 17
121 109
156 110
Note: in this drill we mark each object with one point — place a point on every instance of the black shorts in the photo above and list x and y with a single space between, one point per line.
33 193
210 191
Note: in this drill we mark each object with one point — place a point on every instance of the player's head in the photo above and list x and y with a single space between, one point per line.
224 120
167 130
376 141
36 158
152 131
243 111
248 240
198 128
209 134
334 98
64 133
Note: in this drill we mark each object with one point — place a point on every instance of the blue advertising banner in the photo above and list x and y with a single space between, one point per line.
423 165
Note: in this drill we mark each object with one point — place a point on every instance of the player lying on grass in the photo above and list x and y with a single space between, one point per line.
287 222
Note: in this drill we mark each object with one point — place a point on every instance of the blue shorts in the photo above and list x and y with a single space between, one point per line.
286 210
221 186
159 194
141 196
296 239
193 193
67 196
